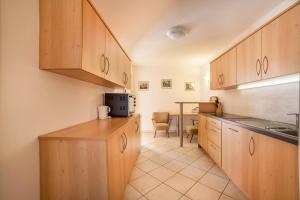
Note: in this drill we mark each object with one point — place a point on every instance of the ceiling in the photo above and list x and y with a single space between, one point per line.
141 25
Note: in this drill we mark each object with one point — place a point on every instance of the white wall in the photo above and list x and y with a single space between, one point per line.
157 99
33 102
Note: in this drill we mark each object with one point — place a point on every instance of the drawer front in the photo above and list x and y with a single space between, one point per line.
214 122
215 152
214 135
229 128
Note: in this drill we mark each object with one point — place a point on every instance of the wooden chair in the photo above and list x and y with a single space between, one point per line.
161 121
192 129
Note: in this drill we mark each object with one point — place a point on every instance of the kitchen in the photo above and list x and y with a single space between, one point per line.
54 76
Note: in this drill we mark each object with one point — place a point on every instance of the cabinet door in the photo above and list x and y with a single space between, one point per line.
228 69
115 166
249 63
276 169
236 159
202 134
214 75
113 59
281 45
126 64
93 48
129 160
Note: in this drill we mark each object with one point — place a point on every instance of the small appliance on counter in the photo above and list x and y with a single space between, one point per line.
103 112
121 104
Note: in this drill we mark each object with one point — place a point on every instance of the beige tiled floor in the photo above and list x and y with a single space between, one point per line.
165 171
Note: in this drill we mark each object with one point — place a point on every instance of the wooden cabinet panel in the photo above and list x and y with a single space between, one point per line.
215 152
214 75
228 69
281 45
214 123
275 169
202 132
236 160
214 135
115 164
249 63
94 34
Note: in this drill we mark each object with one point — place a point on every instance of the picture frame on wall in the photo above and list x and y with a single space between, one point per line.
189 86
166 83
143 85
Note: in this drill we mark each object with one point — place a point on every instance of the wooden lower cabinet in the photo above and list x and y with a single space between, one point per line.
76 169
262 167
202 131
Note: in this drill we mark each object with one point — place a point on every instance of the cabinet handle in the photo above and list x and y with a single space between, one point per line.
125 140
104 63
251 142
122 151
267 66
233 130
137 126
219 79
108 65
126 78
258 71
222 79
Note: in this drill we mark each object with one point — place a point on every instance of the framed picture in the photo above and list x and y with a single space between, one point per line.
166 83
189 86
143 85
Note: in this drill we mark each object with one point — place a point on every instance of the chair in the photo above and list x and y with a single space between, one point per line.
161 121
192 129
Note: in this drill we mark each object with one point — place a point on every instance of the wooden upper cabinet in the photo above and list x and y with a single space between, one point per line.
214 75
75 42
281 45
249 62
94 35
228 69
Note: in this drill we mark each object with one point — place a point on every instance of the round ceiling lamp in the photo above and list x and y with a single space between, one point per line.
177 32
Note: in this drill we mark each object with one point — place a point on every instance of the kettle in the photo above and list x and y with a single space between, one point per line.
103 112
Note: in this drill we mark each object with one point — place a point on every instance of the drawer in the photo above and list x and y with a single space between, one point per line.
229 128
214 135
215 152
214 122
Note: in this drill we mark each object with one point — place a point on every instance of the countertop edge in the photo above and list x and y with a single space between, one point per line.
287 138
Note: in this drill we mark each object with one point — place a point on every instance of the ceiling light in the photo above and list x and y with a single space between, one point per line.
176 32
273 81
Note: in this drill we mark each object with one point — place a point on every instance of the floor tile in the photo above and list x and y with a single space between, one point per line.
162 173
175 165
161 159
232 191
150 154
145 183
217 171
201 192
192 172
202 164
173 154
142 198
224 197
180 183
163 192
214 182
184 198
186 158
131 193
147 165
136 173
140 159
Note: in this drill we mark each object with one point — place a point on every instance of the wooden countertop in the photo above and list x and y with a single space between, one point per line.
91 130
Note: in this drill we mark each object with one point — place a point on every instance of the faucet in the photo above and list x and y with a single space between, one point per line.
297 119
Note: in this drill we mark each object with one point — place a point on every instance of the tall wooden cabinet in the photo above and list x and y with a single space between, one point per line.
261 166
74 41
